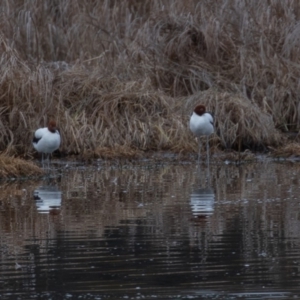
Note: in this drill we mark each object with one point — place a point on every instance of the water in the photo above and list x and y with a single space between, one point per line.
153 231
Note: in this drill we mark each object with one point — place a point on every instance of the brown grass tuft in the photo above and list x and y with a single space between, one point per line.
12 167
289 150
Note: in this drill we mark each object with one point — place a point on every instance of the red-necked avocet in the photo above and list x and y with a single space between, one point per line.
46 140
201 124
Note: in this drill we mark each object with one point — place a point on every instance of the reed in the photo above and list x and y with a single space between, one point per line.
126 74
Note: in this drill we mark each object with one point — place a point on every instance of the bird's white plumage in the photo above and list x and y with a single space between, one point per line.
47 198
201 125
46 141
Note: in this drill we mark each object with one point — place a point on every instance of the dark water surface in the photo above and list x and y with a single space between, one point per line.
153 232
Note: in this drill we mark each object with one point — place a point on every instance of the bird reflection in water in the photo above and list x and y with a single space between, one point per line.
202 199
48 199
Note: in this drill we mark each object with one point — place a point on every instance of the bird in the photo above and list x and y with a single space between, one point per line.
46 140
202 124
48 198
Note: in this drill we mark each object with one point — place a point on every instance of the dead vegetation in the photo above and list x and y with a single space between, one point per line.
125 75
13 167
291 150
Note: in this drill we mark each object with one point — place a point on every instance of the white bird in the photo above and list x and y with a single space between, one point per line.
48 198
201 124
46 140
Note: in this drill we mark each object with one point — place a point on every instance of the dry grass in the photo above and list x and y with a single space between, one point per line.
126 75
12 167
288 151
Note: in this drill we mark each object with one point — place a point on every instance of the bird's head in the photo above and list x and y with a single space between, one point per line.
52 126
200 109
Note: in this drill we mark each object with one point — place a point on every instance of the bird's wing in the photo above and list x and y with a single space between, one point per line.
39 133
210 117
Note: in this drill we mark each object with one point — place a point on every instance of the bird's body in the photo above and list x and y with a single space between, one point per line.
201 124
46 140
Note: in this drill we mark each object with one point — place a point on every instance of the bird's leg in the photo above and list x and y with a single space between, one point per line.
42 160
207 154
199 153
207 149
